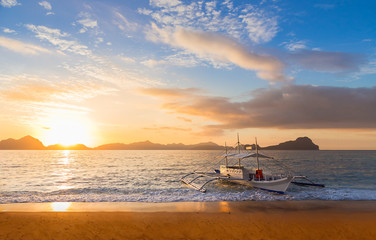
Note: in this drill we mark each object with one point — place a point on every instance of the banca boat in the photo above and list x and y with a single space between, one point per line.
252 177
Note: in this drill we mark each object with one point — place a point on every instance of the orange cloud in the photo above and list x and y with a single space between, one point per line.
28 89
289 107
228 50
168 128
184 119
169 92
221 48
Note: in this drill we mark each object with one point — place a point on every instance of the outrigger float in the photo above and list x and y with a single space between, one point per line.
252 177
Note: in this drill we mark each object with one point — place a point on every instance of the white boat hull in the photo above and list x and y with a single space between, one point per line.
279 185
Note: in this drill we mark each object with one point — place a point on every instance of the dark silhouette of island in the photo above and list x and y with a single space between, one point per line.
301 143
25 143
147 145
30 143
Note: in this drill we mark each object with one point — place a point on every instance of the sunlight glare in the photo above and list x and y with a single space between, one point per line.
60 206
65 159
68 131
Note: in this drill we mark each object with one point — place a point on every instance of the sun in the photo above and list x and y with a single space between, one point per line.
68 131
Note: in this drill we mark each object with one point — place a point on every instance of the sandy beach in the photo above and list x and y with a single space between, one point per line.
192 220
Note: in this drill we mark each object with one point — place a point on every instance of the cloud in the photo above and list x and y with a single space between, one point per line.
23 48
87 22
169 92
7 30
55 37
46 5
294 45
222 49
367 69
324 61
123 23
9 3
127 59
167 128
153 63
242 21
31 93
103 69
289 107
184 119
260 28
32 88
165 3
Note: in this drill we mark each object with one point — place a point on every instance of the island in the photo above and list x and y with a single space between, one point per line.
301 143
31 143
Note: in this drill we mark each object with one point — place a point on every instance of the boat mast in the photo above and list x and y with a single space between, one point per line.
239 148
226 155
257 156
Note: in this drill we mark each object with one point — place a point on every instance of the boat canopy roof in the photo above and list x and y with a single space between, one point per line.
245 155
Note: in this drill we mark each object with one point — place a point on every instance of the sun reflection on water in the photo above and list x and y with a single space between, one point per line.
65 172
65 159
60 206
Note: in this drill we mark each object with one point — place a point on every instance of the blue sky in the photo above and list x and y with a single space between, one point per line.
189 71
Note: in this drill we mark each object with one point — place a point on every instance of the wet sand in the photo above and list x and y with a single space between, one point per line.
198 220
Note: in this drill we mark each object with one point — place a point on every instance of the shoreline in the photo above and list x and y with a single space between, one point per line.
311 219
212 207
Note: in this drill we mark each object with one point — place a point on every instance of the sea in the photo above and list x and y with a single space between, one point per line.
154 176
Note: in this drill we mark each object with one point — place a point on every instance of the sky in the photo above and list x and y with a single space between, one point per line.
97 72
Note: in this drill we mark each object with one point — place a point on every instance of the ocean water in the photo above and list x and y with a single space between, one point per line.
153 176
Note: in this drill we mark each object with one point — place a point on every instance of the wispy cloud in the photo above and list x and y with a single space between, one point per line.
32 92
367 69
56 38
33 88
184 119
21 47
294 45
222 49
153 63
9 3
7 30
165 3
289 107
170 92
127 59
260 28
87 22
167 128
46 5
245 21
105 70
123 24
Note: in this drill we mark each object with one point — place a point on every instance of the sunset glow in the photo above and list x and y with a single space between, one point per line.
67 132
187 72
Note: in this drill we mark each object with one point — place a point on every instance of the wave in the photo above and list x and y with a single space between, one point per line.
181 195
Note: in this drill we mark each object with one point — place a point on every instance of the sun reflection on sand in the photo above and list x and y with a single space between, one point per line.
224 207
60 206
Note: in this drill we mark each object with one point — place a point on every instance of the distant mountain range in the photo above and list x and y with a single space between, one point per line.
30 143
